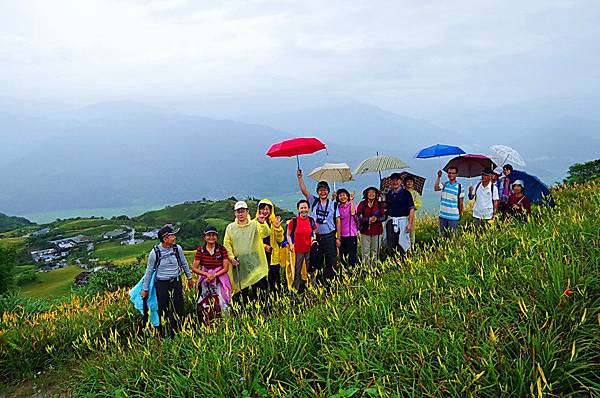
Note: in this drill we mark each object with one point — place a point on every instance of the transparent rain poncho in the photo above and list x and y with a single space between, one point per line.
245 242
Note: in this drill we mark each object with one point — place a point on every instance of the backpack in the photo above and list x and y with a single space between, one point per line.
477 187
459 188
208 307
157 255
335 206
295 223
315 258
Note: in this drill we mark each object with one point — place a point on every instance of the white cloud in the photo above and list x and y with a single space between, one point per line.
426 52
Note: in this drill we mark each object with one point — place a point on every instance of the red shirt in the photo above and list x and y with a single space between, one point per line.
365 212
523 202
208 260
302 234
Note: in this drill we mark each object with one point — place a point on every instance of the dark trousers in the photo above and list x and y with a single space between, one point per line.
274 278
348 249
169 295
393 248
258 291
327 255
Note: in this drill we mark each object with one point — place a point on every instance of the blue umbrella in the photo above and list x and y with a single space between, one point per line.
438 150
535 190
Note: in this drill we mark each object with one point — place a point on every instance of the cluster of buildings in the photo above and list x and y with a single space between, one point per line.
55 257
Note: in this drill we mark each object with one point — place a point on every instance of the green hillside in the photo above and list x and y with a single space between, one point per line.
511 310
220 210
191 217
8 223
52 284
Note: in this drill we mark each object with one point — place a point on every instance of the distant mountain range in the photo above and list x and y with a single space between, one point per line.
123 153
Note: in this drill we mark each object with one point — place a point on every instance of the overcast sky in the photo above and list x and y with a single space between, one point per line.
406 56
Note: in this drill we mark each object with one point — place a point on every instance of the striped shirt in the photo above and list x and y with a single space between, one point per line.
208 260
449 201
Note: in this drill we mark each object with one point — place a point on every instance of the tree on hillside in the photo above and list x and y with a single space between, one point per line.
6 269
583 172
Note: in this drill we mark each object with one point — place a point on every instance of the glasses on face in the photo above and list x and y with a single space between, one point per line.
452 172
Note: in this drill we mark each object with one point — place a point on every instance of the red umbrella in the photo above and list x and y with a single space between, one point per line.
470 165
295 147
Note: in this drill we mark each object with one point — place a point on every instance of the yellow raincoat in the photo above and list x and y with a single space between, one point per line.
416 199
418 203
246 243
276 233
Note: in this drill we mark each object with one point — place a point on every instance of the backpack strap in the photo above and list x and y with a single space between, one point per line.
475 194
312 225
177 255
314 204
293 231
295 224
156 258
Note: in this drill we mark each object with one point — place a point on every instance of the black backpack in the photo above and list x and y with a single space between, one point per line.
157 255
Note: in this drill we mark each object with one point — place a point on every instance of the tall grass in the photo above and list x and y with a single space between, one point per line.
513 310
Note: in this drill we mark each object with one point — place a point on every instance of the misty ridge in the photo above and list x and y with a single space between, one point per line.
126 153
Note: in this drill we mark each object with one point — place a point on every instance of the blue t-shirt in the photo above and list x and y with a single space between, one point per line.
324 214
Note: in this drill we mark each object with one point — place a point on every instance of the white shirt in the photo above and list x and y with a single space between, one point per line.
484 197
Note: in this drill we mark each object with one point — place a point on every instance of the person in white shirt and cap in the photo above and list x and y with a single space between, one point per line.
486 198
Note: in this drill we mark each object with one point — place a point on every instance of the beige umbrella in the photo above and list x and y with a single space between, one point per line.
332 172
379 163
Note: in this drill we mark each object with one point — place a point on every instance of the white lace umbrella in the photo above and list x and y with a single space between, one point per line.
332 172
502 155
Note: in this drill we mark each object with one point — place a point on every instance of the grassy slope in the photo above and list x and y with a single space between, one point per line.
15 242
486 316
115 250
489 319
52 284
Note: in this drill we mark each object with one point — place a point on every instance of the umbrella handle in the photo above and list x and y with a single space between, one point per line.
298 162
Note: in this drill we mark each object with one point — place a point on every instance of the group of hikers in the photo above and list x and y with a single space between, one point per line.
246 268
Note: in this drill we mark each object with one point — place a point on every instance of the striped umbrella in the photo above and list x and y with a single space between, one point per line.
380 163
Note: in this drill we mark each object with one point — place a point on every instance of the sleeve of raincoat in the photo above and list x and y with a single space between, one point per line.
263 231
228 244
417 200
278 234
